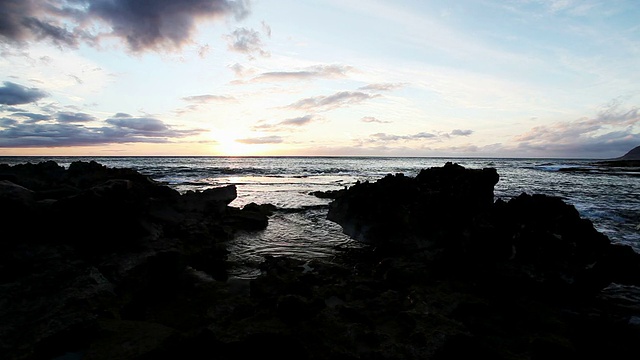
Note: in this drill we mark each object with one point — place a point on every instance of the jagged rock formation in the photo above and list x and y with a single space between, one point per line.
99 263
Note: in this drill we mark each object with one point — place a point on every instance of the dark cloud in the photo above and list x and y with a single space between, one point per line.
381 87
69 117
458 132
7 122
14 94
139 124
261 140
24 20
319 71
298 121
371 119
122 128
203 99
340 99
246 41
142 25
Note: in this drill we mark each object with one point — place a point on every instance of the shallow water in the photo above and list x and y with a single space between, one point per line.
609 199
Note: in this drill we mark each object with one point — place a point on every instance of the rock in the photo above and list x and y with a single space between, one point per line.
90 242
109 264
631 155
407 212
447 217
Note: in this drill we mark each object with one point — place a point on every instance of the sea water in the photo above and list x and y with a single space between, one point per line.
610 199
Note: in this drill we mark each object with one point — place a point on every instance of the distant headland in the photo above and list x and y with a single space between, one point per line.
632 155
630 159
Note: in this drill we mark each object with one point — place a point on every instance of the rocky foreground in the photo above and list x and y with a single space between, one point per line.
100 263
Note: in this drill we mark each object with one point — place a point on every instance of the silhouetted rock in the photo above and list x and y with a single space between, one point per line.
633 154
77 239
100 263
401 211
448 216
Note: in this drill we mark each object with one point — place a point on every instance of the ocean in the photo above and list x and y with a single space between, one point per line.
299 228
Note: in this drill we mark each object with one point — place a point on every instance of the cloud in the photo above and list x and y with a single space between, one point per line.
121 128
266 29
138 124
313 72
14 94
246 41
33 117
458 132
384 137
340 99
381 87
613 130
261 140
292 122
298 121
388 137
197 101
141 25
69 117
371 119
204 99
240 70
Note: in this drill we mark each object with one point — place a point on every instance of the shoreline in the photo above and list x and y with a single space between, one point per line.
117 259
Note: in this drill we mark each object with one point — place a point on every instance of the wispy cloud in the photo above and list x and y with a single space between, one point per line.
382 87
261 140
371 119
285 124
613 129
246 41
390 138
32 117
435 136
196 102
324 103
313 72
141 25
205 99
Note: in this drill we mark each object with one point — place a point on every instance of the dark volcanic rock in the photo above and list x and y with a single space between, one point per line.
402 211
99 263
89 241
447 215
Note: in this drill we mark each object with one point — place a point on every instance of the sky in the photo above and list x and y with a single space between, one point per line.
464 78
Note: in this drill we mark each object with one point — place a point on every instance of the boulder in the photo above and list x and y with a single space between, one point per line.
447 216
91 242
405 212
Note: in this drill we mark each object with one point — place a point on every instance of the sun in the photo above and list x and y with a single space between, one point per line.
227 144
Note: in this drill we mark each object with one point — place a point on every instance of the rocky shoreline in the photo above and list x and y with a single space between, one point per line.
102 263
